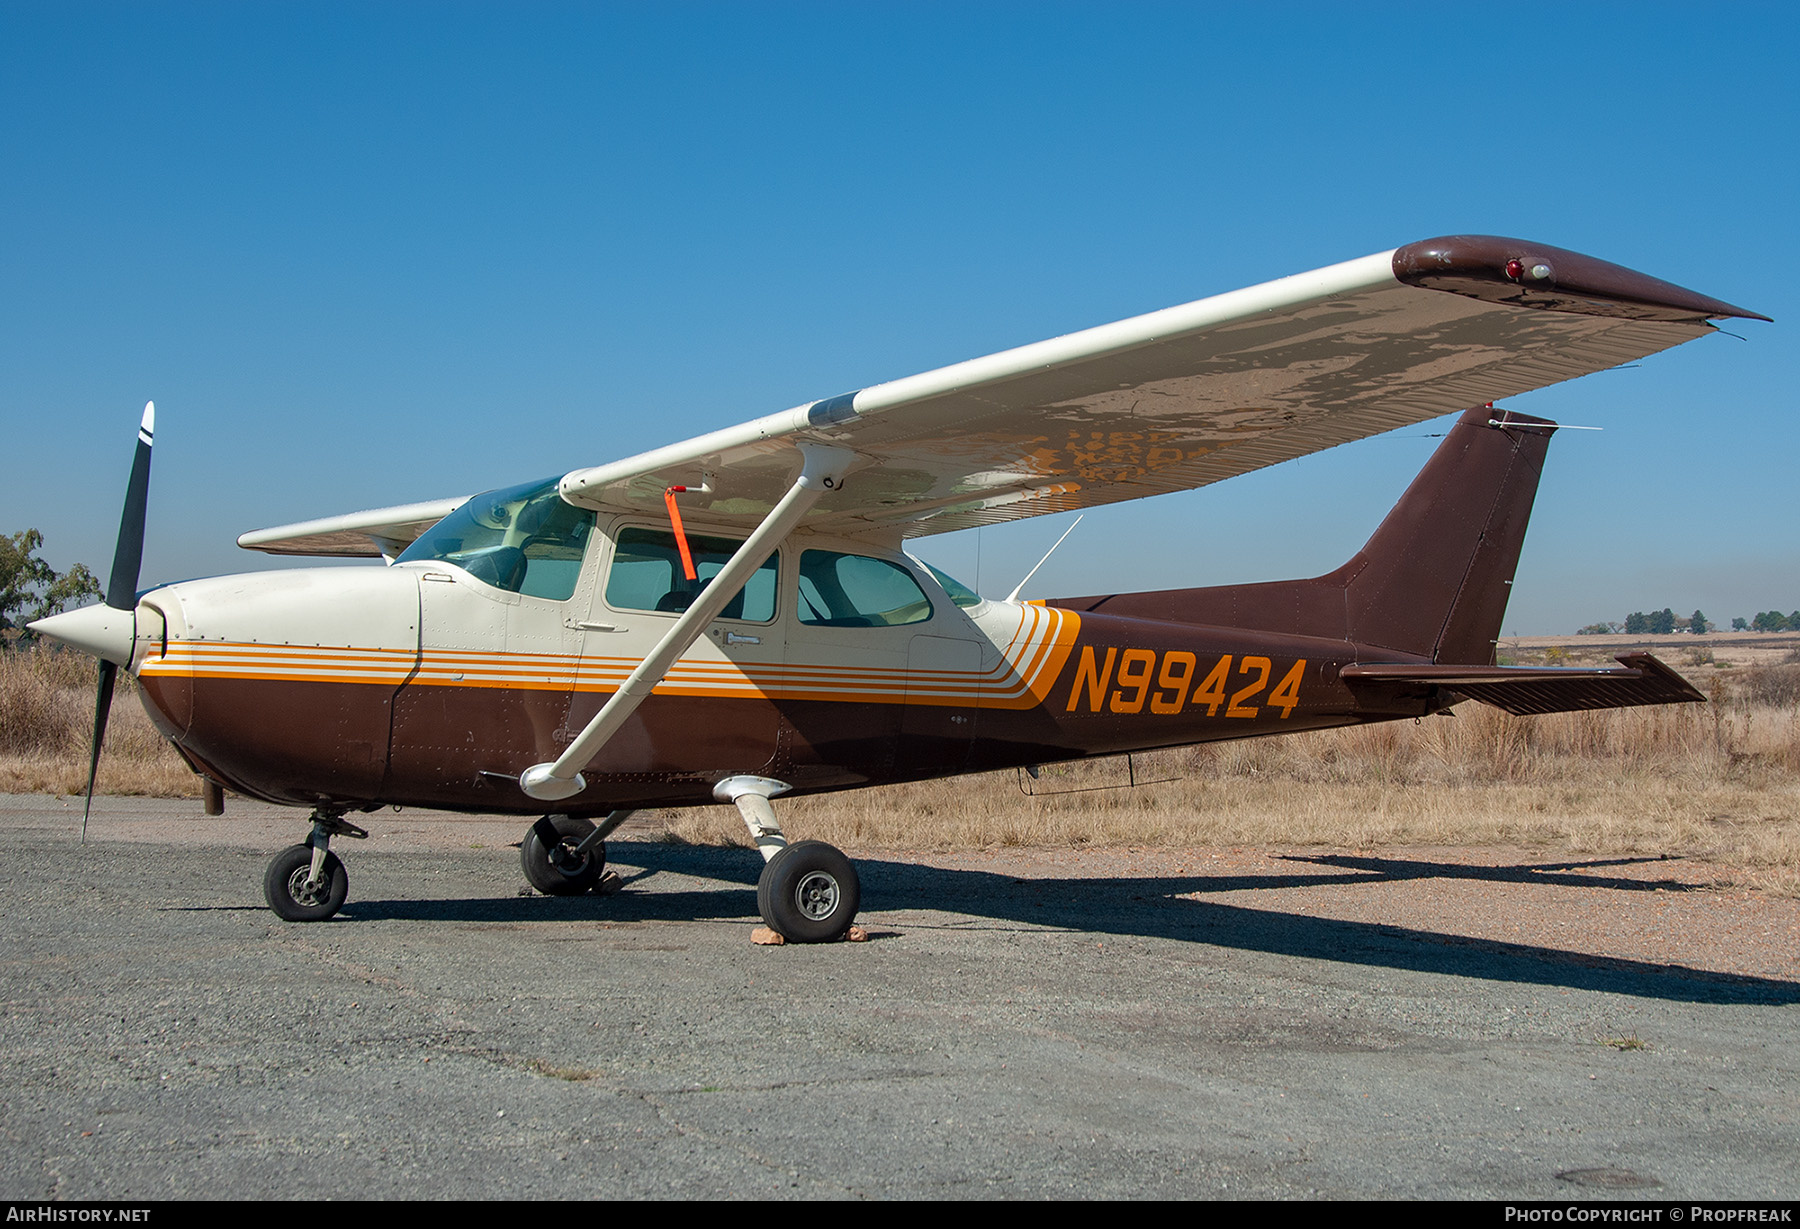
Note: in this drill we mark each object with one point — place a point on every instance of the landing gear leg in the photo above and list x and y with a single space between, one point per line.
308 883
808 891
564 856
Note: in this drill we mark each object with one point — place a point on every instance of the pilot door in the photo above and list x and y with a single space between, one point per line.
711 716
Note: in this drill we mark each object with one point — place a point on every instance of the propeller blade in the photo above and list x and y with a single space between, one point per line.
121 587
128 555
102 707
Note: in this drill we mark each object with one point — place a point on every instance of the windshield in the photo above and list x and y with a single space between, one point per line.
524 539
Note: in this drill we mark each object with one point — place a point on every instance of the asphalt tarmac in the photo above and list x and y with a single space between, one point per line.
1013 1029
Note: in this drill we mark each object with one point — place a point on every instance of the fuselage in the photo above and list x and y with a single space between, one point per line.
542 638
423 683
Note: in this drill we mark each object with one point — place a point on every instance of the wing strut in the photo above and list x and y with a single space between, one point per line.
822 470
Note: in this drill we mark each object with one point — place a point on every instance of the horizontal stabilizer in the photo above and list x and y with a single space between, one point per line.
1527 690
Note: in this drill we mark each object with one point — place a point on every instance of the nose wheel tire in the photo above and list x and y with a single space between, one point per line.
809 893
555 869
285 885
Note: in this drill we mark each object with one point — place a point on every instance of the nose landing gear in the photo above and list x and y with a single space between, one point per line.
307 882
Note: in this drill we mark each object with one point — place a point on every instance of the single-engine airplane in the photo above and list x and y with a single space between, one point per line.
733 618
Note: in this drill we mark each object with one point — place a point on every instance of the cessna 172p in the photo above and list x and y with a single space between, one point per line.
732 618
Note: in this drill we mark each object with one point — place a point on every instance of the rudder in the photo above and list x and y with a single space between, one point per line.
1434 578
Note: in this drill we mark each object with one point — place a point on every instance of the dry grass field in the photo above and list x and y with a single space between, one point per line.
47 715
1718 782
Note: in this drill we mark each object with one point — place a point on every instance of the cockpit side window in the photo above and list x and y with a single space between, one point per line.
647 575
524 539
839 590
959 593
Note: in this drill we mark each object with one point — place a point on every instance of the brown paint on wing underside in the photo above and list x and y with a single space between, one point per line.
1483 267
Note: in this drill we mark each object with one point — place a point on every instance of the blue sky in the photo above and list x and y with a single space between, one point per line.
368 254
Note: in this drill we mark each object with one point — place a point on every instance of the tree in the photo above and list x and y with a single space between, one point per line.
31 588
1637 623
1661 622
1769 621
1697 624
1738 625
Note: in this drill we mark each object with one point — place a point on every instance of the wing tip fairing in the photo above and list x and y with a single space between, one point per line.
1519 273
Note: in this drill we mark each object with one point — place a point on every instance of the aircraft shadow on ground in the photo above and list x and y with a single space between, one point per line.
1154 906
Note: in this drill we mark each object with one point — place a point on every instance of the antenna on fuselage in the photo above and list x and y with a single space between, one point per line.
1014 595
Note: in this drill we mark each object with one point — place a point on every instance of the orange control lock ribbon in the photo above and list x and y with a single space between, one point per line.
687 559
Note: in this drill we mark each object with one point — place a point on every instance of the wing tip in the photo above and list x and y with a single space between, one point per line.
1525 274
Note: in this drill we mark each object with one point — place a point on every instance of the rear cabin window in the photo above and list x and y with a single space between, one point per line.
857 591
647 575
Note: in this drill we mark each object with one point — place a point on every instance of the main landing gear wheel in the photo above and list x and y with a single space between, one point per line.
286 889
553 867
809 893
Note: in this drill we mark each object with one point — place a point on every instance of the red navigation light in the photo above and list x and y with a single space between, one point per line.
1515 269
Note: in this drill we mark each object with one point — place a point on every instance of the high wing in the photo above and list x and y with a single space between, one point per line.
1168 401
380 531
1187 396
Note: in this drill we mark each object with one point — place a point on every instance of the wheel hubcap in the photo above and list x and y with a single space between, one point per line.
298 889
817 896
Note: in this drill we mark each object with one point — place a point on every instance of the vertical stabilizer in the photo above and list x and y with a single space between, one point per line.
1431 583
1434 578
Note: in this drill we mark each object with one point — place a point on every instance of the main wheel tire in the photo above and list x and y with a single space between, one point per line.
559 871
809 893
284 885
